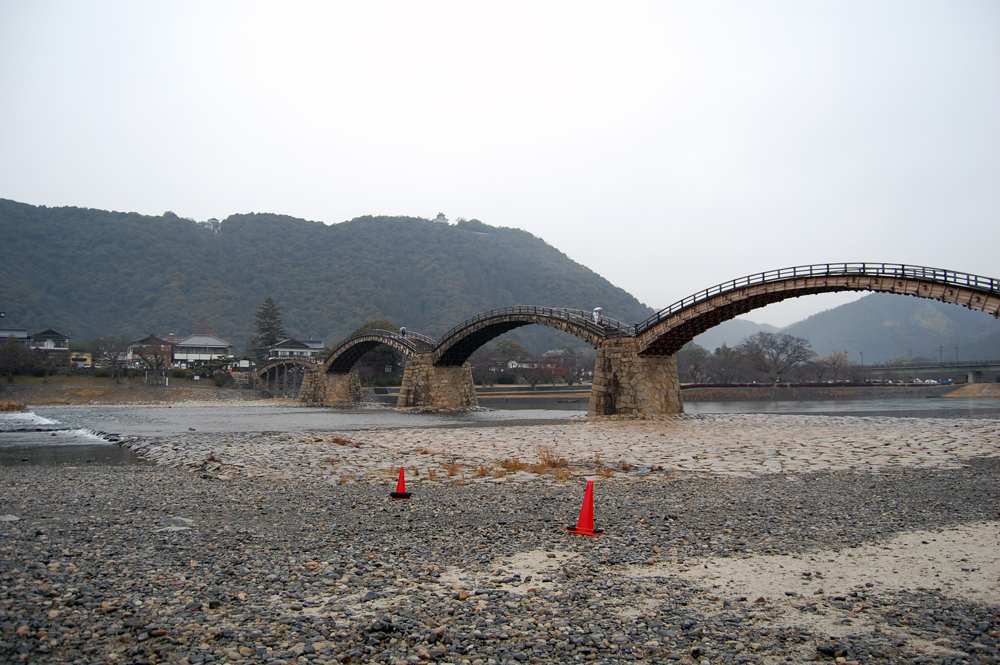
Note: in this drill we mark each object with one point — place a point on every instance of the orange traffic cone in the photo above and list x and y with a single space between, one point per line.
401 492
585 525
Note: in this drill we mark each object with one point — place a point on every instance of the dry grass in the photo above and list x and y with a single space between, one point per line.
548 457
340 441
425 451
452 468
604 473
11 405
482 471
541 468
624 466
211 457
499 473
513 465
331 460
432 474
343 480
563 472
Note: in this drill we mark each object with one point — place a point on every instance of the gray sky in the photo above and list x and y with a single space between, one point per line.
668 146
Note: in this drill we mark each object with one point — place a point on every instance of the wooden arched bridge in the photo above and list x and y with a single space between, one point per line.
283 375
636 371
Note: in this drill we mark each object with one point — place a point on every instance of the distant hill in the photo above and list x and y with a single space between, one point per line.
887 326
731 333
93 272
884 326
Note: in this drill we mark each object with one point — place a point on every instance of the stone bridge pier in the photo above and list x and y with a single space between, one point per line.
330 389
442 388
626 383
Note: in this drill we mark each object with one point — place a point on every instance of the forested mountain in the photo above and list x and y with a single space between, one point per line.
93 272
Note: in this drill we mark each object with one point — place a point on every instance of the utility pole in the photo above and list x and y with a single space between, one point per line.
956 355
862 366
942 355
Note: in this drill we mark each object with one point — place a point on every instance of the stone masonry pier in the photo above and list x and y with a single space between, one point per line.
428 386
628 384
330 389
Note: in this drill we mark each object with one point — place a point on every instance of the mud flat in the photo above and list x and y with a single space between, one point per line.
879 545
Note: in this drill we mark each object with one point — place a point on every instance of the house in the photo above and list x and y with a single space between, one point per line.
200 349
293 348
20 334
50 342
80 360
151 340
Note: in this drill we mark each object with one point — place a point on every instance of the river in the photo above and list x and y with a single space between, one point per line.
79 435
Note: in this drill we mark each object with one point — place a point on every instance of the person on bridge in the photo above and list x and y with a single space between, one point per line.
597 315
402 331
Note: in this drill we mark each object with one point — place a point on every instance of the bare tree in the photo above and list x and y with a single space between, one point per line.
48 362
726 365
775 354
14 357
111 350
692 362
155 357
837 363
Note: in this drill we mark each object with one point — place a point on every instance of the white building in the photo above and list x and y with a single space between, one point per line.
200 349
293 348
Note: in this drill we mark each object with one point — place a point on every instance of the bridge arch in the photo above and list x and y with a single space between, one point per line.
344 356
455 346
667 331
283 374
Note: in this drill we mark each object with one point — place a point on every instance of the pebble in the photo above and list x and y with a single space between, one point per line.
156 563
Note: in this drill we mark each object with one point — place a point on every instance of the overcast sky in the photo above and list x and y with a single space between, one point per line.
668 146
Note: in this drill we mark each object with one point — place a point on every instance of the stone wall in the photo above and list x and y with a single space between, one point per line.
330 389
628 384
439 388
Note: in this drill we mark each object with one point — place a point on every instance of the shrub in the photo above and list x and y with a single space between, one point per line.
102 372
38 370
219 380
179 373
506 380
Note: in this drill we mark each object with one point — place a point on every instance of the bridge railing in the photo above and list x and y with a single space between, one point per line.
407 341
429 341
607 328
895 270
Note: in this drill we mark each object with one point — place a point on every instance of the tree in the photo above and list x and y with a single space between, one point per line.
692 362
155 357
47 362
775 354
508 348
837 363
14 357
112 351
726 365
270 329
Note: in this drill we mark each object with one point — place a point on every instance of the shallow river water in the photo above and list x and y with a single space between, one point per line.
77 435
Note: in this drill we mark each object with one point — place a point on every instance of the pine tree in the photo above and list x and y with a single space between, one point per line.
270 329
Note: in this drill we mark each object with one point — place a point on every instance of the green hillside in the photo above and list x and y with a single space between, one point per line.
93 272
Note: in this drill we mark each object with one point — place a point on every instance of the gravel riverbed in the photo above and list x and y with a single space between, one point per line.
155 563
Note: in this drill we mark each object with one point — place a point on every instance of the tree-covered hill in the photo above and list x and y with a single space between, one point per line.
93 272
